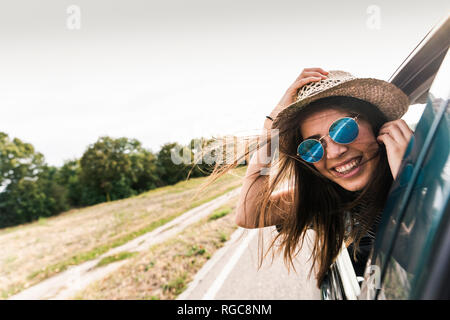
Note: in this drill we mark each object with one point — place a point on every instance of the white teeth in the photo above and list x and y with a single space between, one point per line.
347 166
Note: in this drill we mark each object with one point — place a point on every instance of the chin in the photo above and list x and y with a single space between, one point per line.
354 186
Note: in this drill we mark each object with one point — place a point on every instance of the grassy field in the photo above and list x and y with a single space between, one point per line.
164 271
33 252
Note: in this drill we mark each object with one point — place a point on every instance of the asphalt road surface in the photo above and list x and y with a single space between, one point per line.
233 274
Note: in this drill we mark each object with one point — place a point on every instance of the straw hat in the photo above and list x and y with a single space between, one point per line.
388 98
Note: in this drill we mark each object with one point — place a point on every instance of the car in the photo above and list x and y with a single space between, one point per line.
410 257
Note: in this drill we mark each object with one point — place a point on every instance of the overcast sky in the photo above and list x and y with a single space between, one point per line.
166 71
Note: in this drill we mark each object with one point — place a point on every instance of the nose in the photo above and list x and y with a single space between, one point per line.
334 150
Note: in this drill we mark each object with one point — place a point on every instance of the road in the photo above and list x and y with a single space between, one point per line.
232 273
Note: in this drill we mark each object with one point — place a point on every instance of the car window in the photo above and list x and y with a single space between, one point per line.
418 198
414 114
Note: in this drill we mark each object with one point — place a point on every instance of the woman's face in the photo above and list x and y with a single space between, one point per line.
350 159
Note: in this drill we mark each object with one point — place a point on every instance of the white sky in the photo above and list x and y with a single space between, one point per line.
166 71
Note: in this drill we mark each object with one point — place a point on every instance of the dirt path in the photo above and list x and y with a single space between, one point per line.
66 284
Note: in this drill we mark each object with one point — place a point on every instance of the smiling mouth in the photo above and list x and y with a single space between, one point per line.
348 167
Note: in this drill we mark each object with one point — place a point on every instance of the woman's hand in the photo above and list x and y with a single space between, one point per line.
308 75
395 135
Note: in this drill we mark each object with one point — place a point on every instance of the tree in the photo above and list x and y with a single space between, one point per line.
18 160
171 168
144 165
69 177
116 168
28 186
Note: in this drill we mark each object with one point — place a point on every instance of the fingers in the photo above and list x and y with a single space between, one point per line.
398 130
314 74
387 140
407 132
394 152
394 132
310 73
306 76
301 82
320 70
395 135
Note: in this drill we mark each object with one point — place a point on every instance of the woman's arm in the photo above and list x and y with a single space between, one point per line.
255 180
252 185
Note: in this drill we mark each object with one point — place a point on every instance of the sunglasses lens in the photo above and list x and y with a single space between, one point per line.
344 130
310 150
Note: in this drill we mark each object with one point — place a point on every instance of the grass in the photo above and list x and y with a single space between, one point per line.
195 251
117 257
176 285
74 260
223 236
98 251
80 235
165 270
219 213
42 221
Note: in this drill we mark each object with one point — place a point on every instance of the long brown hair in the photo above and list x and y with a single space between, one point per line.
335 214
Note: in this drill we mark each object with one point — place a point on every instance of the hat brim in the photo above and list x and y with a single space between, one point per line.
387 97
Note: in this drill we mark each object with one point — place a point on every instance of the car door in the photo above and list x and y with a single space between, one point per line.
411 248
410 255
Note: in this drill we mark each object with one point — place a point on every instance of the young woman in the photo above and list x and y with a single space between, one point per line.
340 145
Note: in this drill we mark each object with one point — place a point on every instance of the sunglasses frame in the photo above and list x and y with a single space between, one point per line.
355 118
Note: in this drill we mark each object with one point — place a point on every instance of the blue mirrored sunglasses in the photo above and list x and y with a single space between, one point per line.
342 131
